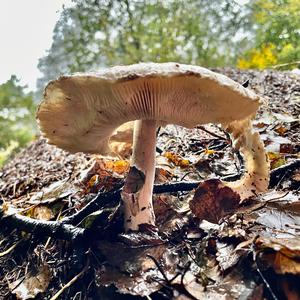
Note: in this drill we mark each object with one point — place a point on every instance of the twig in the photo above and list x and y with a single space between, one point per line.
255 253
286 64
173 187
211 133
67 285
159 268
9 249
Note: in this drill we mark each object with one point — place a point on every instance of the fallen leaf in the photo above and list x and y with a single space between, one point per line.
285 265
134 272
118 166
281 130
276 159
57 190
284 117
102 175
272 142
177 160
289 246
93 181
42 212
97 218
290 288
209 151
32 285
226 255
260 125
212 201
232 286
162 175
288 148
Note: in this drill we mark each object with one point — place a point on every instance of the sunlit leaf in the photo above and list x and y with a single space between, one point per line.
281 130
43 213
177 160
276 159
119 166
32 285
286 265
209 152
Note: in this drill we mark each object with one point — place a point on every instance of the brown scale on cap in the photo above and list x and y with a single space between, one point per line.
95 105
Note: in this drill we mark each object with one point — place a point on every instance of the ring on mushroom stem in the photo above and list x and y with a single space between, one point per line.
89 109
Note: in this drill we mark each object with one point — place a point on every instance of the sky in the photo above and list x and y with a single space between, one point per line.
26 28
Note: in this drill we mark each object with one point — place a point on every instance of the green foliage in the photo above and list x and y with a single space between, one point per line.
16 118
277 27
95 33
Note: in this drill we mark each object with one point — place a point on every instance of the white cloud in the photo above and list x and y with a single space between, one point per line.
26 28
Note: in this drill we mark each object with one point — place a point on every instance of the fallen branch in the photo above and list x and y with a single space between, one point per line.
103 199
66 230
54 229
95 204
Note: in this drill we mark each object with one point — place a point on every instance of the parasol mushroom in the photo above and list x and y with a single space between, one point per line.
80 113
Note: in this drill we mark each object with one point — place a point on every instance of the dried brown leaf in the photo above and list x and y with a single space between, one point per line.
286 265
134 272
32 285
213 200
42 212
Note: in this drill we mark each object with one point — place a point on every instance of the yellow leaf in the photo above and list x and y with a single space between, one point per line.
119 166
176 159
281 130
92 181
276 159
209 152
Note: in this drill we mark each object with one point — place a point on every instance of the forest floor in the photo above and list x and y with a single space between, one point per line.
245 251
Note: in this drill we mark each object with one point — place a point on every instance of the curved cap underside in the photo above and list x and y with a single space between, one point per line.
80 112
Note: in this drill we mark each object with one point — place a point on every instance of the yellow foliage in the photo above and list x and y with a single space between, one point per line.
259 58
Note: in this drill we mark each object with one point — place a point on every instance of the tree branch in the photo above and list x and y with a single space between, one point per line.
54 229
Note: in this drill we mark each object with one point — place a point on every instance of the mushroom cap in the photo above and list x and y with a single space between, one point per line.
80 112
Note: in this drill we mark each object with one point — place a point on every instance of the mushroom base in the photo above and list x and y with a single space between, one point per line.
256 178
137 191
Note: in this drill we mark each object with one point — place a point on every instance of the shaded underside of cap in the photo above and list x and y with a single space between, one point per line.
81 111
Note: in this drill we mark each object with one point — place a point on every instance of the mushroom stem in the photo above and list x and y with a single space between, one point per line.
137 191
256 179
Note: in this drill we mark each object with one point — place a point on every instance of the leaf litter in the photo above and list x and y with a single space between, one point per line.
209 245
